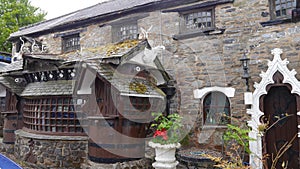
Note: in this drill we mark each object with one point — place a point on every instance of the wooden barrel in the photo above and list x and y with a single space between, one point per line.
108 141
12 122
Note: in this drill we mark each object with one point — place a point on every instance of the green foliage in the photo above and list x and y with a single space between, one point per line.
15 14
171 124
239 135
237 140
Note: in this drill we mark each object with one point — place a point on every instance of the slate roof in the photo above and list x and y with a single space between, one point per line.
108 51
49 88
122 82
15 66
9 82
101 9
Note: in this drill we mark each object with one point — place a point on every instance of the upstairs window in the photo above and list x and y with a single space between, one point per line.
282 8
197 20
71 43
216 109
125 31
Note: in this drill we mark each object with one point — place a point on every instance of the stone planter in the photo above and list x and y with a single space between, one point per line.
165 155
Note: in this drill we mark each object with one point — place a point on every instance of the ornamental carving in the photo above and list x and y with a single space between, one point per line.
276 65
33 46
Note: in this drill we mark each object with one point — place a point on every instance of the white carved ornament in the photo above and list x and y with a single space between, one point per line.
260 89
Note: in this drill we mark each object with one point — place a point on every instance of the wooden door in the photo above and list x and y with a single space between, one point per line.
280 109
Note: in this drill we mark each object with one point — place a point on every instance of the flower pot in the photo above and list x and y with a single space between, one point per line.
165 155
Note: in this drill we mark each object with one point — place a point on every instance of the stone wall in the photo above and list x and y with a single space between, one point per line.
50 151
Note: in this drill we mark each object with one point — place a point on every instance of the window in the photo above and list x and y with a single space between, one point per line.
198 20
53 115
71 43
282 8
125 31
216 109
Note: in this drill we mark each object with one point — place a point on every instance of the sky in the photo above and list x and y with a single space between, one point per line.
56 8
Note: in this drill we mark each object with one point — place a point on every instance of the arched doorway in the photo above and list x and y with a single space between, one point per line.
280 109
275 97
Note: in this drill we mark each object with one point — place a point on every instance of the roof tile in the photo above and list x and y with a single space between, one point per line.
49 88
100 9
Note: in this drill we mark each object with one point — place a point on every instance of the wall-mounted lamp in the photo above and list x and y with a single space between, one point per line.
246 75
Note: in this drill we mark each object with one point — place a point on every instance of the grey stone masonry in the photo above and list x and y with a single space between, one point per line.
45 151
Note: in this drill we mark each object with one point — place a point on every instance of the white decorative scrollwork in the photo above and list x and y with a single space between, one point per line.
260 89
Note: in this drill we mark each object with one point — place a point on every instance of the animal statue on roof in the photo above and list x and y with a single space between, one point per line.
150 52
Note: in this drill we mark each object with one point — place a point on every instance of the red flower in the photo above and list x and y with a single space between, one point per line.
162 133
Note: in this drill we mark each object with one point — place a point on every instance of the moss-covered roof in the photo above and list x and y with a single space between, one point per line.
126 84
106 51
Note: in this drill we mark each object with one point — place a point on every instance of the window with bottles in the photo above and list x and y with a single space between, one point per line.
216 109
125 31
71 43
53 115
197 20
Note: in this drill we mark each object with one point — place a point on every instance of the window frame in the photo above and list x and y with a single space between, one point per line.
116 30
66 39
272 9
184 30
205 114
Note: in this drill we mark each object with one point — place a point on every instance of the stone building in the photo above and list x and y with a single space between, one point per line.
195 45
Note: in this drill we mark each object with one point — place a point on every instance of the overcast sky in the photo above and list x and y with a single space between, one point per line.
56 8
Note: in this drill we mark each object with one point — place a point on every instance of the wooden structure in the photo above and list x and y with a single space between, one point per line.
281 111
119 107
13 119
108 99
10 104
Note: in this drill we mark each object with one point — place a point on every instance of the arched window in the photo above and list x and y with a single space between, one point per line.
216 109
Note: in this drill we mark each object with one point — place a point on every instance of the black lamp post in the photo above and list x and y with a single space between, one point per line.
170 90
246 75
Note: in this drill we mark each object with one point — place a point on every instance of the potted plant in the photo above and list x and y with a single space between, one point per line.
166 139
